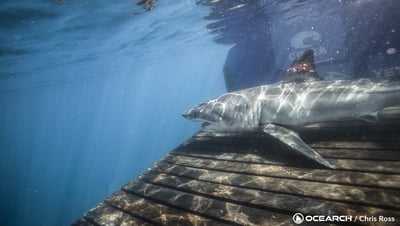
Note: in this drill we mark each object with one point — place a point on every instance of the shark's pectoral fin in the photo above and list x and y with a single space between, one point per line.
293 140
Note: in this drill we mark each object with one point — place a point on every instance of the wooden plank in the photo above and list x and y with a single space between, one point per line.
106 215
267 146
360 155
391 167
376 154
278 171
158 213
388 167
246 153
83 222
381 135
249 158
225 211
359 145
261 156
380 198
368 139
384 161
261 199
271 154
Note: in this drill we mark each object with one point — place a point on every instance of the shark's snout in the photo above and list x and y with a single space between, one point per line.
189 114
204 112
186 115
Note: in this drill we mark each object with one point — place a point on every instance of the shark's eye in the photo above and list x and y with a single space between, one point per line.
219 109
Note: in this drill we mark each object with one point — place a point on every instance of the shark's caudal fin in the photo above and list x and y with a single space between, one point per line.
302 69
291 139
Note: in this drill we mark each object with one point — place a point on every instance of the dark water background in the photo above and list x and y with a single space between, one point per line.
91 92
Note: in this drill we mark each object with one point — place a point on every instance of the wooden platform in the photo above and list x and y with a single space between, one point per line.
253 180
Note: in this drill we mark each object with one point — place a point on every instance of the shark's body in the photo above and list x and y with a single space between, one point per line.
279 108
299 104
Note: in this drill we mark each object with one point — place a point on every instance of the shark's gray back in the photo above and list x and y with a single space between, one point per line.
296 104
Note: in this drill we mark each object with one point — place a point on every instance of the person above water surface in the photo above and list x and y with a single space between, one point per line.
302 69
147 4
346 40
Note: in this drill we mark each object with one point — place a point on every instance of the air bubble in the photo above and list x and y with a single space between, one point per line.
391 51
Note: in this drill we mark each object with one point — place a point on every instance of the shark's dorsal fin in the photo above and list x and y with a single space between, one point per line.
293 140
302 69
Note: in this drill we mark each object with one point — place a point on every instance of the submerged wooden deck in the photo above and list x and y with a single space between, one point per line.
253 180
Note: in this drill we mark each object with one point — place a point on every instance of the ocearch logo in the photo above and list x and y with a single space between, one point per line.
298 218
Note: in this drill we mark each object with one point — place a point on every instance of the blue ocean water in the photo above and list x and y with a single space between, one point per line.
91 92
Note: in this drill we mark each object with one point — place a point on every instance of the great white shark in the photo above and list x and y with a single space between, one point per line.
283 108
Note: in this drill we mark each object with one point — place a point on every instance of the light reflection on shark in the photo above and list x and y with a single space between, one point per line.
278 108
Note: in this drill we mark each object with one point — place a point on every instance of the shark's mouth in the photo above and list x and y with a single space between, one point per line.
200 116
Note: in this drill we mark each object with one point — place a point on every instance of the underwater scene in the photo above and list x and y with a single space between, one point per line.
199 112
